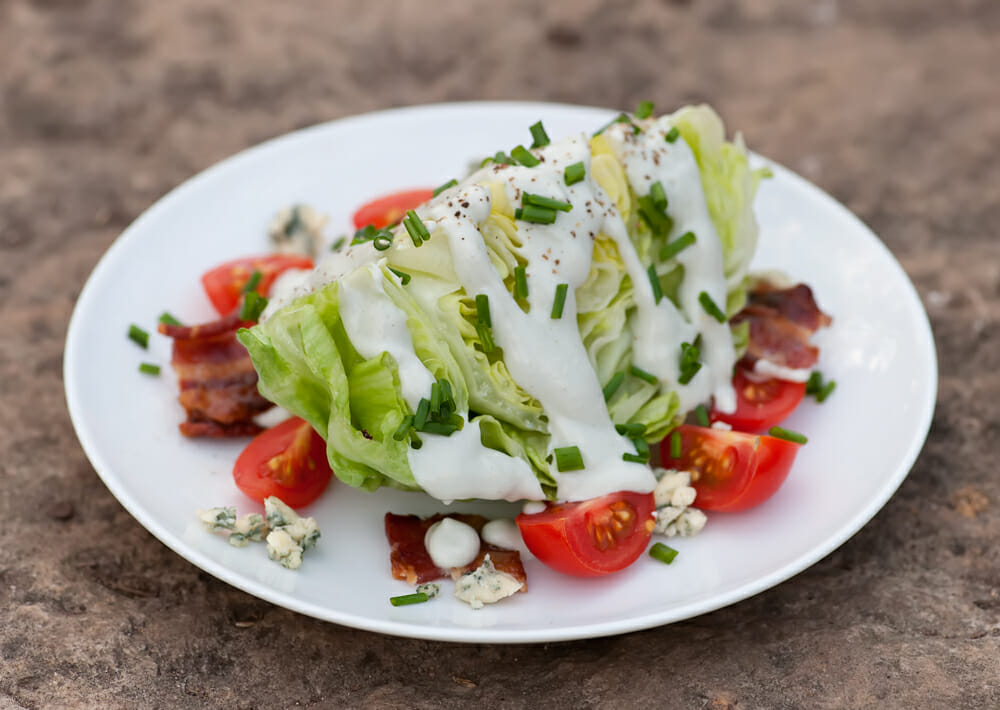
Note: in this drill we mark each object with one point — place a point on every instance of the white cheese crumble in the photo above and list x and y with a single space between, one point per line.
297 230
430 589
485 585
674 496
288 535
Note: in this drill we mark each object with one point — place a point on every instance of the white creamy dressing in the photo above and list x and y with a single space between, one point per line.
767 369
648 158
451 543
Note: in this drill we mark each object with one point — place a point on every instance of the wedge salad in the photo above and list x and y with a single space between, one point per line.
572 325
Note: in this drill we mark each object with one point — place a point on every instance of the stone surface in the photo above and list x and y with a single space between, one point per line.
891 106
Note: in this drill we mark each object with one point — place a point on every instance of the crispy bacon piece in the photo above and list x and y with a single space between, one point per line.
781 323
218 384
411 562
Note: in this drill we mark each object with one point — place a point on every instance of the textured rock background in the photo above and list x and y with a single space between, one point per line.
891 106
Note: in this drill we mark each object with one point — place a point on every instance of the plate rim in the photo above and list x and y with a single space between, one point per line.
845 530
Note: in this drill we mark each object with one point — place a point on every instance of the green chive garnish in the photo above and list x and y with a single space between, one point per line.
645 109
826 391
672 135
787 434
539 137
654 283
568 458
441 188
439 428
365 234
383 241
404 427
407 599
252 282
710 308
678 245
528 198
815 382
403 276
663 553
658 195
557 305
635 458
656 219
423 411
675 444
689 364
520 283
415 228
613 384
138 336
485 337
642 374
338 242
574 173
483 309
253 305
149 368
524 157
436 397
631 429
620 118
641 448
415 441
701 414
168 319
533 213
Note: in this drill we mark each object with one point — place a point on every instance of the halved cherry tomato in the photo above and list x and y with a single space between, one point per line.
731 470
388 210
288 461
592 537
224 284
762 404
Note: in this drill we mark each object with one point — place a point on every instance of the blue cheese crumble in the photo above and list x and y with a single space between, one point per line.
430 589
485 585
297 230
287 534
674 497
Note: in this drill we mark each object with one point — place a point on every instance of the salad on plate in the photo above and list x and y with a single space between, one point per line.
573 325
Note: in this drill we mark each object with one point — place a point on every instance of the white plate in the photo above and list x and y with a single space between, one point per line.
863 440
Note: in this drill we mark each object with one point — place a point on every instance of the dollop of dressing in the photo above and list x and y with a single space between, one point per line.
451 543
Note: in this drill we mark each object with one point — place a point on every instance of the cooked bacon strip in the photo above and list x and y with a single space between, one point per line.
781 323
218 384
411 562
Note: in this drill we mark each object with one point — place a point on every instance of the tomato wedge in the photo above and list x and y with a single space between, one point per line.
731 470
593 537
288 461
760 404
390 209
224 284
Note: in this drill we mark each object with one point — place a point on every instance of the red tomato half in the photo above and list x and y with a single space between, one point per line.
388 210
224 284
287 461
762 404
592 537
731 470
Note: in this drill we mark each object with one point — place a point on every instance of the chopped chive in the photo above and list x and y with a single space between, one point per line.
415 441
423 411
168 319
574 173
672 135
641 447
658 195
252 282
485 337
338 242
436 397
568 458
663 553
383 241
613 384
539 137
765 173
631 429
710 308
416 228
701 414
815 382
483 309
654 283
642 374
557 305
365 234
403 276
787 434
138 336
635 458
446 392
675 444
656 219
500 158
644 110
826 391
439 428
404 427
148 368
678 245
520 283
689 364
529 198
524 157
536 214
441 188
253 305
407 599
